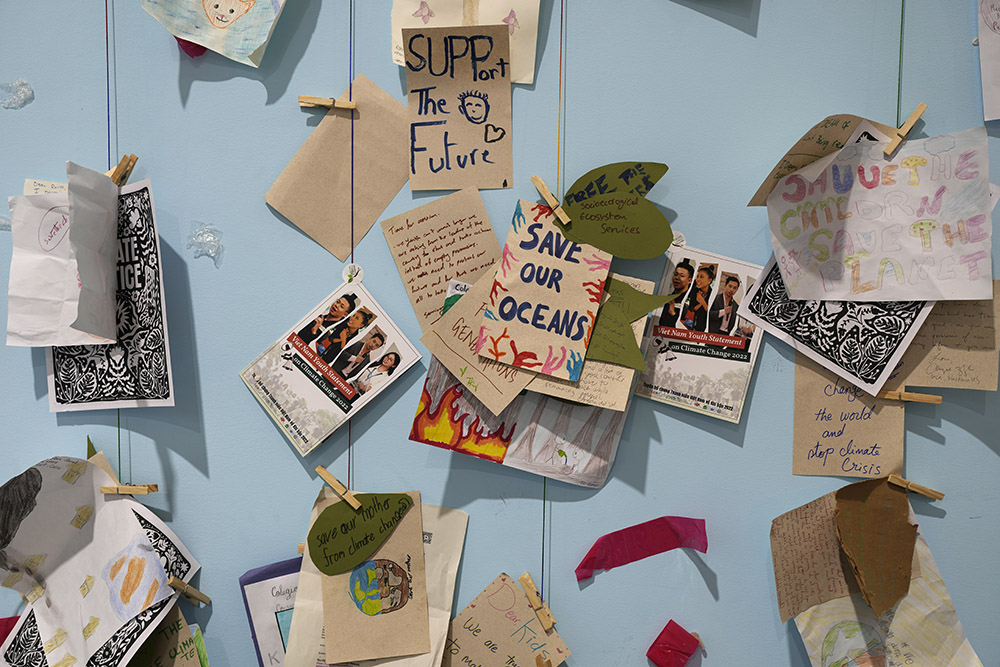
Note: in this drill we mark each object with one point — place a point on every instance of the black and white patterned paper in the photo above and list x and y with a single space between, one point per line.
860 341
135 370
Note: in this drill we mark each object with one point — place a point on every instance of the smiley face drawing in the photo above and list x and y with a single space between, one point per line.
222 13
475 106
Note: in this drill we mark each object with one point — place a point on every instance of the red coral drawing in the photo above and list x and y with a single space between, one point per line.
523 359
496 342
506 259
541 209
594 289
497 287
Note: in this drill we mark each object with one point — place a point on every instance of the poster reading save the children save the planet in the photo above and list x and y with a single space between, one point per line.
458 80
544 298
854 226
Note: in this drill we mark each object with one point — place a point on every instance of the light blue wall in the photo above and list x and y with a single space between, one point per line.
716 89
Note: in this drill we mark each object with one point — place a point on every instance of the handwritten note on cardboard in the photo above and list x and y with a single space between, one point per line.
453 340
545 297
458 81
450 238
499 628
957 348
170 645
842 430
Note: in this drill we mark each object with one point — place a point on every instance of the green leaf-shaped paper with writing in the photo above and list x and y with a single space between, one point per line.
342 538
608 209
612 339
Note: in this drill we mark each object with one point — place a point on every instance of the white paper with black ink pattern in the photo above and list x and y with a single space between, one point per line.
134 372
860 341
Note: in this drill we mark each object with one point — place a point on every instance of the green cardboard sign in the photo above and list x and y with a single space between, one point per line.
613 340
608 209
342 538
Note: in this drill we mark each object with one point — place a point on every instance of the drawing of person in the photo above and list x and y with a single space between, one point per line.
338 311
333 341
475 106
222 13
352 360
377 373
696 307
723 314
680 281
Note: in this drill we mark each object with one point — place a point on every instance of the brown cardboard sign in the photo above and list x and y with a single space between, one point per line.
500 628
841 429
460 133
874 530
314 190
170 645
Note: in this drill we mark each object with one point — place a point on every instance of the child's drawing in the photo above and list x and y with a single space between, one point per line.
475 106
222 13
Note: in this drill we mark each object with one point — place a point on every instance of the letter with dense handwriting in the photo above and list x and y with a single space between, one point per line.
450 238
544 299
841 430
460 132
854 226
500 628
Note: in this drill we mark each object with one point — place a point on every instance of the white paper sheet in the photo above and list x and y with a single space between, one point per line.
444 539
520 17
853 226
63 256
135 372
860 342
989 56
93 567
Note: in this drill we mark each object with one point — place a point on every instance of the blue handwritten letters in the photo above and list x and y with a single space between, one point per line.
842 430
459 98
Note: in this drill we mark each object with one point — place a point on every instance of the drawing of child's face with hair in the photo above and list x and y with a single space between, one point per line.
475 106
222 13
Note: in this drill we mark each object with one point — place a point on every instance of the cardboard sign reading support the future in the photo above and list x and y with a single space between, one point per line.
459 98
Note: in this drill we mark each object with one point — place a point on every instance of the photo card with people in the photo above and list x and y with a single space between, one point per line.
329 366
700 354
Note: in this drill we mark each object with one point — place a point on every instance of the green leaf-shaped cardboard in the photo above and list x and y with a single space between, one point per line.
612 339
608 209
342 538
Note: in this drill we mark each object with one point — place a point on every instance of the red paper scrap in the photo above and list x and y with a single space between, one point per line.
190 48
642 541
673 647
6 625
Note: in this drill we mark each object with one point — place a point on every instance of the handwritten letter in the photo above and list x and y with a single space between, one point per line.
450 238
840 429
459 98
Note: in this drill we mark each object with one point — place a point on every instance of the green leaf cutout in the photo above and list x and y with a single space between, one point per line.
342 538
613 339
608 209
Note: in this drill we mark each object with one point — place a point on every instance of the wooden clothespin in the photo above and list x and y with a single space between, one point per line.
916 488
542 662
302 547
905 129
311 102
190 593
701 644
541 609
550 199
911 396
120 174
131 489
341 490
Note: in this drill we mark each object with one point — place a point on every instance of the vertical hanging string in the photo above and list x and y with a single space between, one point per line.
899 80
350 96
107 86
560 147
